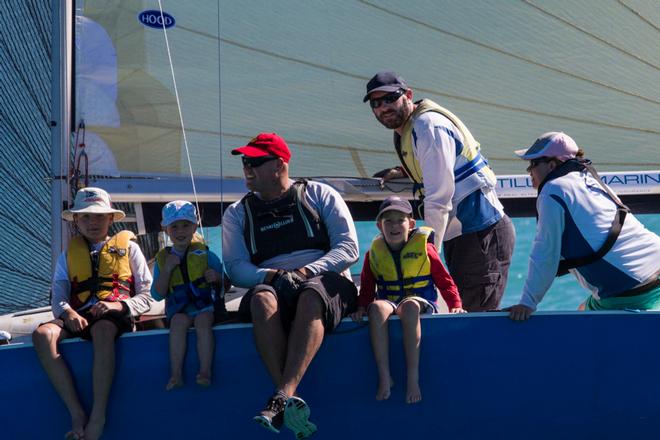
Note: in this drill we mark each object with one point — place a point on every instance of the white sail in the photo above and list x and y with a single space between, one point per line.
510 70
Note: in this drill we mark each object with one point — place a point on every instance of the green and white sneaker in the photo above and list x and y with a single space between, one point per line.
296 418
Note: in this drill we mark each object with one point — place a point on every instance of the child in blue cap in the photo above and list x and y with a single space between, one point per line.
187 275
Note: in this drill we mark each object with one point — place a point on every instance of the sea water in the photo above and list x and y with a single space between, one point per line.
565 293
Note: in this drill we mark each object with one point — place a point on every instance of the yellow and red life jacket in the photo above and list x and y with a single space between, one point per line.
106 274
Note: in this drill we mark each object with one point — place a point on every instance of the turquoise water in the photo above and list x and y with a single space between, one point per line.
565 293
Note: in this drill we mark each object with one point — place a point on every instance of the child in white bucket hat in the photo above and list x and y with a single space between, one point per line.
100 285
92 201
188 276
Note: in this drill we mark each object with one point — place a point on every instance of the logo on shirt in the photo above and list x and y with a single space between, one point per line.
276 225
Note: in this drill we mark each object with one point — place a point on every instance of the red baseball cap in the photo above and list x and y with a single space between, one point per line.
265 144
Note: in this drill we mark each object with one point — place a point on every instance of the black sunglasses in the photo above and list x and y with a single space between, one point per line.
387 99
536 162
254 162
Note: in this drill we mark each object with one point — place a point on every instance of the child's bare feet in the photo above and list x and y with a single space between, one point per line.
384 389
77 432
203 379
413 393
174 383
94 428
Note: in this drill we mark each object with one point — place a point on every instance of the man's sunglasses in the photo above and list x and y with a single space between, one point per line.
387 99
254 162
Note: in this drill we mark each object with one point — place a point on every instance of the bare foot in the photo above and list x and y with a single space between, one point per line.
413 393
94 428
77 432
384 389
203 380
174 383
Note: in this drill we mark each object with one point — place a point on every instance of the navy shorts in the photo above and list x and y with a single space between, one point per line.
338 293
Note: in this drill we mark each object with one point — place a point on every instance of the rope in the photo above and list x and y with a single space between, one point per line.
183 127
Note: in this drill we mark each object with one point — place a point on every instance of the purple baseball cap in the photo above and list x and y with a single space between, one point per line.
555 144
394 203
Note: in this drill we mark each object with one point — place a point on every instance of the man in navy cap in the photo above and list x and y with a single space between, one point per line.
452 178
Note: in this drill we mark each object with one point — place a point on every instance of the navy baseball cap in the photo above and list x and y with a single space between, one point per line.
385 81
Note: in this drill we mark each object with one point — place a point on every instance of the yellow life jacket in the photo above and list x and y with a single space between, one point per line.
471 169
107 275
410 274
188 286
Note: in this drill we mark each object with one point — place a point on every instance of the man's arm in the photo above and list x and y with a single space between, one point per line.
435 146
344 250
235 254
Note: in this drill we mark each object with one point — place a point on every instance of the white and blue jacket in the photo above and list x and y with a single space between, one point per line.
574 218
437 149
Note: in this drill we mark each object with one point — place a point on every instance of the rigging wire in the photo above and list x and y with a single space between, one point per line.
592 35
639 15
220 122
459 97
183 127
511 54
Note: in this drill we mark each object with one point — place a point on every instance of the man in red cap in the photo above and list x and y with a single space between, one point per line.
291 243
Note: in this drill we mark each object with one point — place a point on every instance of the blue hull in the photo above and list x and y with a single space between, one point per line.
576 375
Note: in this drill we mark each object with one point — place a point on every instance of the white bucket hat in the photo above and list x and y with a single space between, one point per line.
92 201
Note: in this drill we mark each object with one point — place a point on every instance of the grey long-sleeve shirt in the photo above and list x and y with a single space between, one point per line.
332 209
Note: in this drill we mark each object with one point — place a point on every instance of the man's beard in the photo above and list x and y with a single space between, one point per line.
392 122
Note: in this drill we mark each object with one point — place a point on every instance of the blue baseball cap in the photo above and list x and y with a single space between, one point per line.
178 210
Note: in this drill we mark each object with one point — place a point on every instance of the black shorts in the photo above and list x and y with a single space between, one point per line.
338 293
479 264
122 320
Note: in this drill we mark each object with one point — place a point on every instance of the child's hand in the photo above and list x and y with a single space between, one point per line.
73 321
211 276
358 314
103 307
457 310
171 262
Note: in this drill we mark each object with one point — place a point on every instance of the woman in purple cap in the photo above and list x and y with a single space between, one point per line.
583 228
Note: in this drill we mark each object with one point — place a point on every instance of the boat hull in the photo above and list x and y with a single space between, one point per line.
581 375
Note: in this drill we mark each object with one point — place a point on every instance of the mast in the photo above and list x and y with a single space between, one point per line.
60 118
